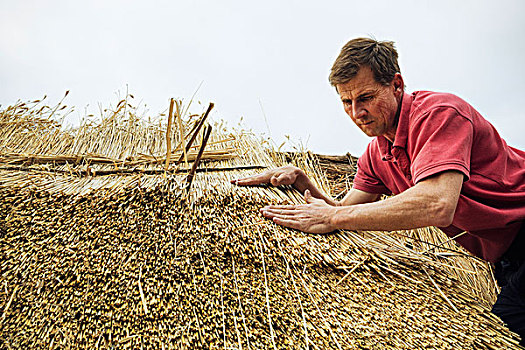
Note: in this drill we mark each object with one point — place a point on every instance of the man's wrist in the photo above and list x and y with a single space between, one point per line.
301 175
301 180
339 218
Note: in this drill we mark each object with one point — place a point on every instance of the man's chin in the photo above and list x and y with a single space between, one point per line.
369 133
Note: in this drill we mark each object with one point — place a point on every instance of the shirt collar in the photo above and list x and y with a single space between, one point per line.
400 140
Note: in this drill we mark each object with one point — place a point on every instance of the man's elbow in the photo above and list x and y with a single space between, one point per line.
443 213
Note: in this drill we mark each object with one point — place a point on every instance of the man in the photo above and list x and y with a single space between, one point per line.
446 165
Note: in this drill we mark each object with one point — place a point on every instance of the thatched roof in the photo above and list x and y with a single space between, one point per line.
109 240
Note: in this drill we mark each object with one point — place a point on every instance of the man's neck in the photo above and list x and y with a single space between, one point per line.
391 135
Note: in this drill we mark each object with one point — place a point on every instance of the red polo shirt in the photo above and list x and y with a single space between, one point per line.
439 132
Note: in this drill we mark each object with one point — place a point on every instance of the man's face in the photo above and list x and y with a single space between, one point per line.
371 105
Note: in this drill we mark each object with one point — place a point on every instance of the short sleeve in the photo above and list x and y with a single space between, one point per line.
441 140
365 179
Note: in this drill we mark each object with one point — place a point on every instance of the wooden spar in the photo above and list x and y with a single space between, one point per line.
195 131
191 174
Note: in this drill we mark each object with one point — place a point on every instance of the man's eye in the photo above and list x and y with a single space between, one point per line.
347 102
365 98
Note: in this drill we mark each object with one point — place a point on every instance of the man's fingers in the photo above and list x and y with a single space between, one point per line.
287 222
286 175
286 216
291 214
291 207
252 180
277 212
307 196
281 206
243 182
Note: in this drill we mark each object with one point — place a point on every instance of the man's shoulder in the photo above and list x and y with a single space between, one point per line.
426 101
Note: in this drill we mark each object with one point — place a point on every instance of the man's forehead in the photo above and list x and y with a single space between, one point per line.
364 81
356 89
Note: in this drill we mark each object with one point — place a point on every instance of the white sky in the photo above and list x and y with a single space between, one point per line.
271 53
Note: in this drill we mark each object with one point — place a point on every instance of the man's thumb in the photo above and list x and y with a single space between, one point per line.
308 196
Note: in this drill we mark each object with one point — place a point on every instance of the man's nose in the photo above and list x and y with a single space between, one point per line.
358 111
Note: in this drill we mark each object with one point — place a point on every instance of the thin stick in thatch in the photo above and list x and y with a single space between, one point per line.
9 302
168 135
142 298
272 333
196 130
181 132
441 292
122 171
191 174
444 242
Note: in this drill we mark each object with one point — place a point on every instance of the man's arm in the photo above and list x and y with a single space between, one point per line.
431 202
290 175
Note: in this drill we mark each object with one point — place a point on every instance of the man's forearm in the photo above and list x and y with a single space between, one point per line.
389 214
422 205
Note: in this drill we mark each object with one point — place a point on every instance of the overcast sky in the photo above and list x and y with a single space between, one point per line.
265 55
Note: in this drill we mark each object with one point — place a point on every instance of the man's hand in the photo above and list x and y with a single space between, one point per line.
313 217
286 175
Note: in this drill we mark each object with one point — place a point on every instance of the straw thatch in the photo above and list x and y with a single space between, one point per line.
126 233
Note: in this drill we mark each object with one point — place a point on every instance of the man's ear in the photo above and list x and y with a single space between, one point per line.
399 84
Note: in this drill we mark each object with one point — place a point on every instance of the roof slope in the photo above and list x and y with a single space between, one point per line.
109 240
